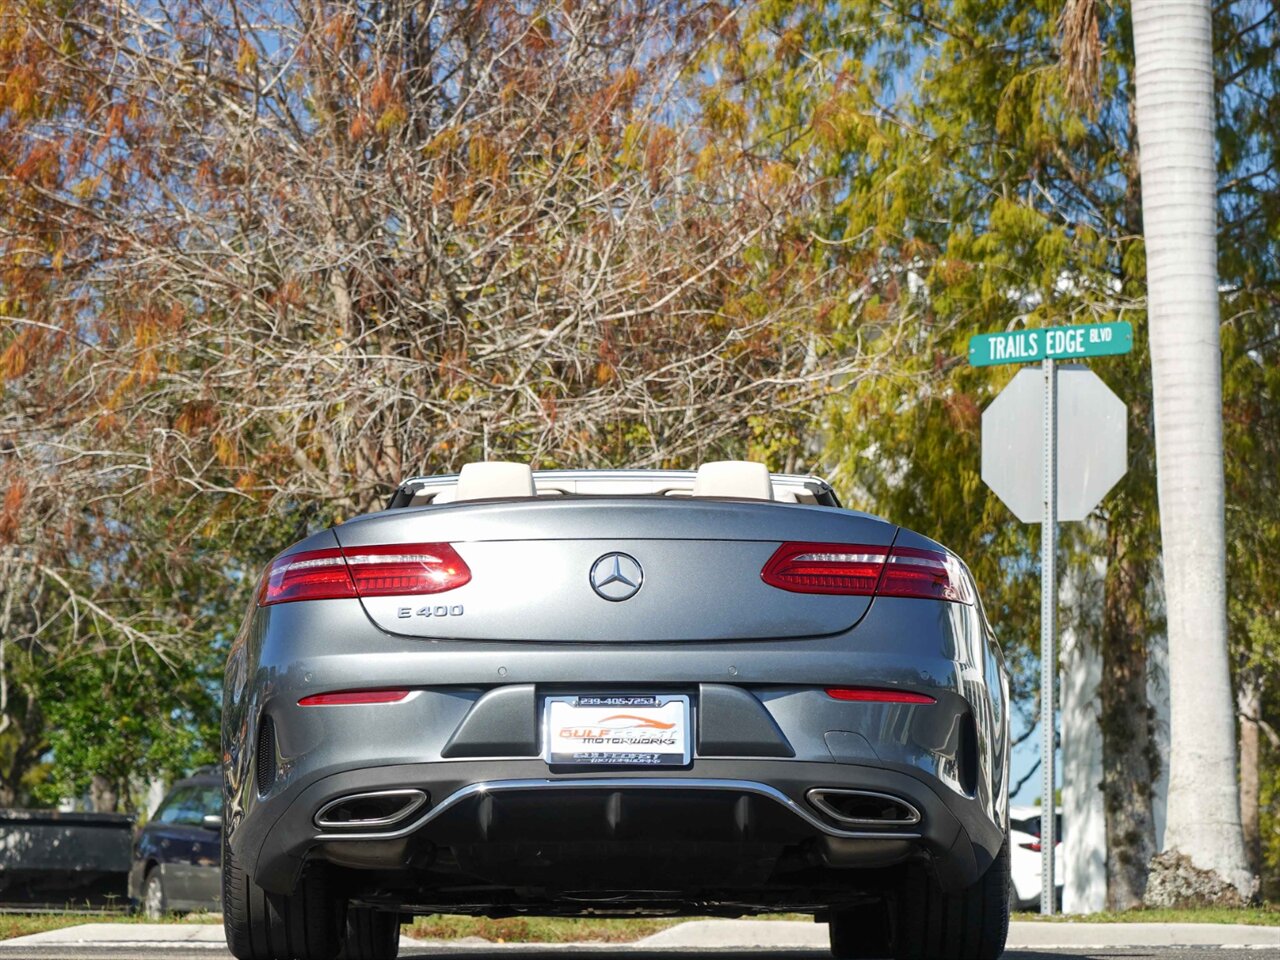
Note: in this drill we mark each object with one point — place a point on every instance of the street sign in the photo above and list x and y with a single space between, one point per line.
1081 430
1056 343
1092 443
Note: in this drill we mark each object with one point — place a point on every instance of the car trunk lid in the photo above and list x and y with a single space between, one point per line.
696 566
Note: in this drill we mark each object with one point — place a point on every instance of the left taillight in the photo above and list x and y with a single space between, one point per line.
861 570
390 570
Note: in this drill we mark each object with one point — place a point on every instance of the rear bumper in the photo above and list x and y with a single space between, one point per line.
469 738
515 808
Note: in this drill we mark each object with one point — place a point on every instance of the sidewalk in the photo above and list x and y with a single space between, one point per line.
127 935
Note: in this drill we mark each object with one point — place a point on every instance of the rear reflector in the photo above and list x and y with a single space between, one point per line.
877 695
379 571
858 570
347 697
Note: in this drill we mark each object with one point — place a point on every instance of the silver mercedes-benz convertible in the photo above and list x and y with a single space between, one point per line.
616 693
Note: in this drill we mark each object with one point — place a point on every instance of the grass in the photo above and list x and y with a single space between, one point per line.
21 924
1267 915
538 929
556 929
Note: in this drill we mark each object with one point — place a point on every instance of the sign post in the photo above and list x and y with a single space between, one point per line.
1094 435
1048 636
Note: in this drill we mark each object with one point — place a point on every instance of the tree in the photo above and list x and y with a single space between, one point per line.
112 719
973 193
1174 101
1248 120
982 168
1251 407
260 261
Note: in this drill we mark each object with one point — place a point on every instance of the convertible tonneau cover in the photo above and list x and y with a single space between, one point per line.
787 488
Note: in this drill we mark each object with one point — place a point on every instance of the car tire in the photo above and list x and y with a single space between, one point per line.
154 903
306 924
860 932
371 935
971 924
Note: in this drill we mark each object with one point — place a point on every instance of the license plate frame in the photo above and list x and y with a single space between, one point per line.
649 715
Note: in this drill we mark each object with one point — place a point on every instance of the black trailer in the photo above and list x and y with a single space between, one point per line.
55 860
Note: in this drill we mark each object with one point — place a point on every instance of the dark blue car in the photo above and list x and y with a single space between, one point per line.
177 857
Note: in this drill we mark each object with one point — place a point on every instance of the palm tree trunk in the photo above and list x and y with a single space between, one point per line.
1249 704
1174 90
1130 760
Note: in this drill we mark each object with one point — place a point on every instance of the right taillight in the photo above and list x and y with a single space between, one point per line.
860 570
390 570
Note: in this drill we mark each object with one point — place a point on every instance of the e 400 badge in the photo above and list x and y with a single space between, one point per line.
440 610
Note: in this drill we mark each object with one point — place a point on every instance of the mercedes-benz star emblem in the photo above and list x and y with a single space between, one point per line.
616 576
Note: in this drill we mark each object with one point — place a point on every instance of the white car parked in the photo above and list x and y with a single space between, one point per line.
1024 859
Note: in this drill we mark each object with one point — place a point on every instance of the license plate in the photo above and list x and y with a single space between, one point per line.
617 730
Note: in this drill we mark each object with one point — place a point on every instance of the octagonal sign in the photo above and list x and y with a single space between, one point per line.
1093 440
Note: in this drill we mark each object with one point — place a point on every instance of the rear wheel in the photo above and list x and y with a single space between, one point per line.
971 924
860 932
371 935
306 924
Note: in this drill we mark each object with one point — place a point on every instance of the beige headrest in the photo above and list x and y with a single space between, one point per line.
733 478
487 481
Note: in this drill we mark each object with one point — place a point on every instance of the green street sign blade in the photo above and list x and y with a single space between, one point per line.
1060 343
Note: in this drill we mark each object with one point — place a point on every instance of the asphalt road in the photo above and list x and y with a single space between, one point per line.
32 952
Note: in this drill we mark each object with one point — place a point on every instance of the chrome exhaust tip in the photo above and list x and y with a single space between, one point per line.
369 811
865 808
